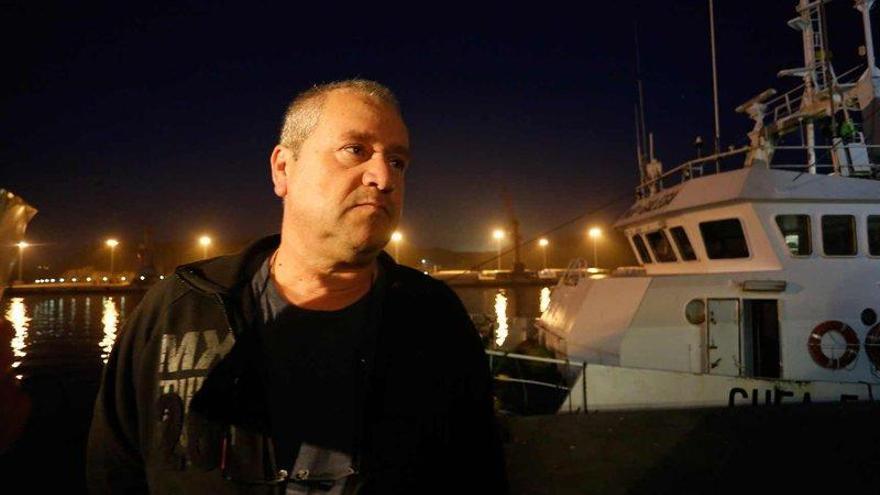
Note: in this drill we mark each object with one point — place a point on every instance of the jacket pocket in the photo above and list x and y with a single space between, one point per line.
166 437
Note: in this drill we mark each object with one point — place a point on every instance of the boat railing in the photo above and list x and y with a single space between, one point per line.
698 167
789 103
525 384
824 163
778 109
576 270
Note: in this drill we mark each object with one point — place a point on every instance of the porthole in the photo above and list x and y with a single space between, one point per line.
869 317
695 312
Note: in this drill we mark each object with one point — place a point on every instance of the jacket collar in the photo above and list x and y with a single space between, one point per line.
226 275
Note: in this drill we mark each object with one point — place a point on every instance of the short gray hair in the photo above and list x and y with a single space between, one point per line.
304 111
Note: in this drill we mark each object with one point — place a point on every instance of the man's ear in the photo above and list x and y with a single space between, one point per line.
280 159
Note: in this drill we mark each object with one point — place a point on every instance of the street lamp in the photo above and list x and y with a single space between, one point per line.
204 241
543 243
595 233
396 237
111 243
498 235
21 245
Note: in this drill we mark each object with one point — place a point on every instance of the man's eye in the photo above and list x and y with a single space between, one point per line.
354 149
399 164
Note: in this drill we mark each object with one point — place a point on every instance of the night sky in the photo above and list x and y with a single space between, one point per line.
127 116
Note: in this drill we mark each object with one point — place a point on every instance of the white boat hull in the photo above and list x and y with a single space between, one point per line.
609 388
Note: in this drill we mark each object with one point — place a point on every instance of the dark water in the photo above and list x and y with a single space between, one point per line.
74 334
62 342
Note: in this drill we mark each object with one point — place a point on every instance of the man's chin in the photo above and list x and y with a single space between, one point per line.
365 251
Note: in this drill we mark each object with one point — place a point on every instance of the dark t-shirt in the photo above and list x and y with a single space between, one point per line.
312 362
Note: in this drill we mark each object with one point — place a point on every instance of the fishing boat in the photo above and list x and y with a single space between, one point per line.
15 214
759 267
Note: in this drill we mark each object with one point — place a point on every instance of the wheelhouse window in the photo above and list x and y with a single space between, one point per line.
839 235
685 249
641 249
661 247
795 230
724 239
874 235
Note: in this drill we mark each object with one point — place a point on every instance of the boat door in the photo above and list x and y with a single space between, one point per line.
722 337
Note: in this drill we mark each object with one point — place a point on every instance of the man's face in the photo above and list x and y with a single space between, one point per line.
344 192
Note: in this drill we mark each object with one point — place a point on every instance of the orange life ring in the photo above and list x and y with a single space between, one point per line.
872 345
814 344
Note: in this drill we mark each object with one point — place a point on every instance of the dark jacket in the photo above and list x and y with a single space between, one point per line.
182 406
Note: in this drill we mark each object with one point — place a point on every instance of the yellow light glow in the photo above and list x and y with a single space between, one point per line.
543 242
501 318
16 313
122 278
110 319
112 243
396 236
498 234
104 279
22 245
88 279
595 233
545 299
73 280
205 240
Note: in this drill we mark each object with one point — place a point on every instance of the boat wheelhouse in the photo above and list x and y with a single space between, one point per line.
758 281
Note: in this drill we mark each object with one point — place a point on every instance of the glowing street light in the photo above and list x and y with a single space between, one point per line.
111 243
595 233
498 235
543 243
21 245
204 241
396 237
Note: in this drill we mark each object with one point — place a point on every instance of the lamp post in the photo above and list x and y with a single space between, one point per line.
396 237
595 233
498 235
204 241
112 243
543 243
21 245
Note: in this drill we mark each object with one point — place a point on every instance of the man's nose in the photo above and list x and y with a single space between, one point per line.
379 173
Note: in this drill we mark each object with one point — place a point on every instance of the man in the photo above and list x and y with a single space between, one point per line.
310 362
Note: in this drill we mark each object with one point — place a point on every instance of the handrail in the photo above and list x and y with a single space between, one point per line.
525 357
529 382
689 166
566 383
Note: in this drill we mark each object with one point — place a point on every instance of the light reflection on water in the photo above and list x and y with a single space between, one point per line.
65 335
110 320
545 299
501 317
77 332
16 313
521 305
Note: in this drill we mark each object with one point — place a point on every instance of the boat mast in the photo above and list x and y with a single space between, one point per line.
715 85
864 6
816 78
641 138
